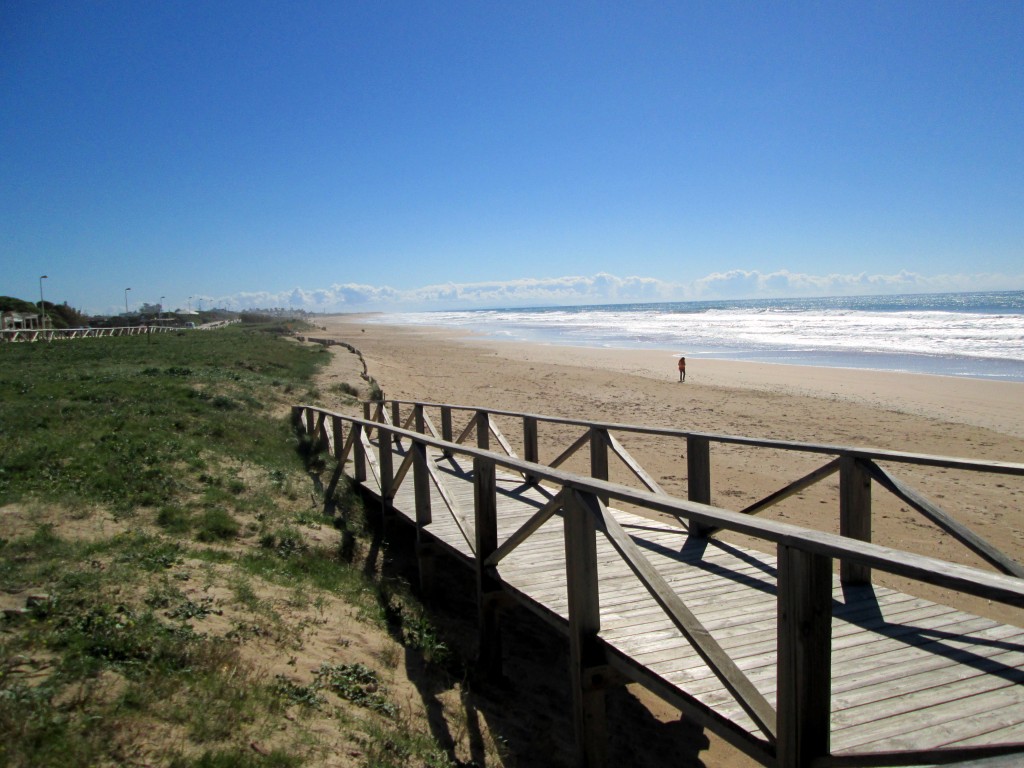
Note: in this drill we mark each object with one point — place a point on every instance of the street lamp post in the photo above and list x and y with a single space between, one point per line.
42 304
126 301
160 312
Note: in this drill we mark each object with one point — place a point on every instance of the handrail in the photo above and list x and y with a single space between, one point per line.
929 570
857 467
795 731
14 335
878 454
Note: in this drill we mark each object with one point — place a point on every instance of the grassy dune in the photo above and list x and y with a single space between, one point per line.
172 592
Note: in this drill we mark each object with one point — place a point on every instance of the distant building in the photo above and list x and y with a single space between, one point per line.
19 321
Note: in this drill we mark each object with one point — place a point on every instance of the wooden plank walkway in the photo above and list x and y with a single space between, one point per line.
907 673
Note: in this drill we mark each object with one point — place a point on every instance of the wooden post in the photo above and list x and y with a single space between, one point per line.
296 416
367 413
698 469
446 428
854 514
421 478
588 699
311 424
320 432
386 460
483 430
396 413
487 585
530 450
338 435
698 474
599 455
804 657
358 453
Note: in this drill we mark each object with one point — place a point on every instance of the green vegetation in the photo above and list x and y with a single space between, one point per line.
162 545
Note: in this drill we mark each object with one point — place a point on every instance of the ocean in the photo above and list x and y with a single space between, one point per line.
978 335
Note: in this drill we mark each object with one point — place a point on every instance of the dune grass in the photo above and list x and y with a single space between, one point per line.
175 453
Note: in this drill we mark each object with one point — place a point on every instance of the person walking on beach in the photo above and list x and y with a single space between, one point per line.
682 369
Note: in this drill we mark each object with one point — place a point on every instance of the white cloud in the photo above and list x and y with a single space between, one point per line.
604 288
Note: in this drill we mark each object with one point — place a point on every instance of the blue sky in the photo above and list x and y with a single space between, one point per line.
356 155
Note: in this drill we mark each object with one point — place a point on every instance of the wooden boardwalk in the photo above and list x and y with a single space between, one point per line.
909 681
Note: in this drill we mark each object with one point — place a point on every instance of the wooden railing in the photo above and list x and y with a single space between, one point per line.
857 467
795 732
59 334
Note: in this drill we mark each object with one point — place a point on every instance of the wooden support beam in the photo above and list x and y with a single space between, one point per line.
531 452
354 436
698 476
784 493
537 519
719 662
483 430
386 458
465 525
485 496
804 657
976 543
446 423
424 543
599 456
854 514
358 453
320 439
371 461
506 446
698 469
465 433
585 651
368 415
564 456
634 466
446 427
396 414
337 435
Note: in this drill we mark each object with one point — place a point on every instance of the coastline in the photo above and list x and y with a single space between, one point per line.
945 416
917 413
976 402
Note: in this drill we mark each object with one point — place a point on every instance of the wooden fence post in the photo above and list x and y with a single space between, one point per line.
698 473
358 453
483 430
804 657
338 435
588 699
530 450
386 460
396 413
854 514
421 479
487 585
599 455
367 414
446 428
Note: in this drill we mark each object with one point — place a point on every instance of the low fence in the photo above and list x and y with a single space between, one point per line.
795 731
60 334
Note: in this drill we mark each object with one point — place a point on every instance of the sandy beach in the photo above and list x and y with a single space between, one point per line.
917 413
940 415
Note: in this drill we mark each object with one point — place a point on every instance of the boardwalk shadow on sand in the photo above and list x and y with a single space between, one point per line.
528 711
